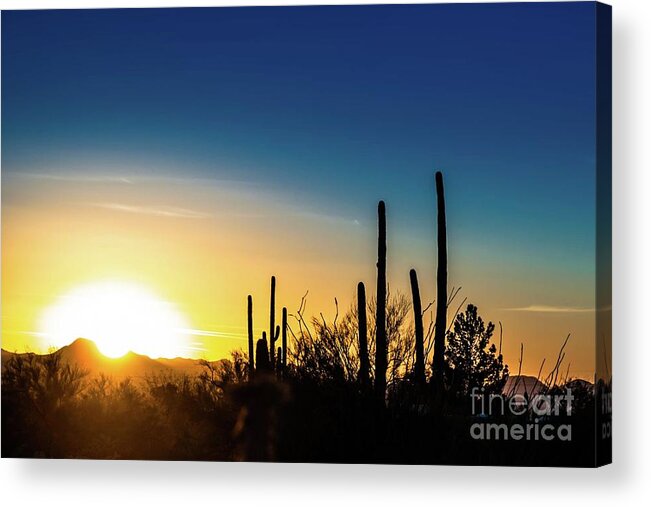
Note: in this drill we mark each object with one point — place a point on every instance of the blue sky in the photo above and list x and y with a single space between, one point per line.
333 108
318 100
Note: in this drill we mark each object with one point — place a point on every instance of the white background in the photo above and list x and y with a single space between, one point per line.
626 482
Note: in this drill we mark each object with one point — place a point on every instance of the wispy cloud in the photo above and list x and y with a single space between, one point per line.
199 349
134 178
158 211
34 333
245 199
550 309
212 334
78 178
322 217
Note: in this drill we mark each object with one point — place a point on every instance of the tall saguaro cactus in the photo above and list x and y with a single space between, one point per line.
272 321
362 333
284 339
250 329
441 282
419 367
381 310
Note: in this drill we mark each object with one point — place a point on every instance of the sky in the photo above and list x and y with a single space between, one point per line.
196 152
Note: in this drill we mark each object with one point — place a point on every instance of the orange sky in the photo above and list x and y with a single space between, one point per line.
204 245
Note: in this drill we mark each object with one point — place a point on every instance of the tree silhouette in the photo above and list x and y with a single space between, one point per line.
473 361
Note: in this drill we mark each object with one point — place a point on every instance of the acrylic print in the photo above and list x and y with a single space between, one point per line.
367 234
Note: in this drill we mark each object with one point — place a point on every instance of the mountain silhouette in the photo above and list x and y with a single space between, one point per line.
522 384
526 384
85 354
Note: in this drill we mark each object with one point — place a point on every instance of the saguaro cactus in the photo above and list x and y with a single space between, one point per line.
274 339
272 320
250 329
363 337
381 311
262 354
284 339
419 366
441 282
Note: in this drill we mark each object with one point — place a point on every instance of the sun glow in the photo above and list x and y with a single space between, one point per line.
119 317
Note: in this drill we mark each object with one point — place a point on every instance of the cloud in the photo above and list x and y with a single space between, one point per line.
212 334
36 334
78 178
550 309
158 211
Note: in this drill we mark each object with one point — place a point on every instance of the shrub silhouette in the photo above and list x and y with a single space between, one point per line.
39 397
330 350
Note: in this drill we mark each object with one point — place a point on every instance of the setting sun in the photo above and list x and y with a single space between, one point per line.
119 317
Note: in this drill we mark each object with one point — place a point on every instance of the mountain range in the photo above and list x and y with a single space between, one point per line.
86 355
